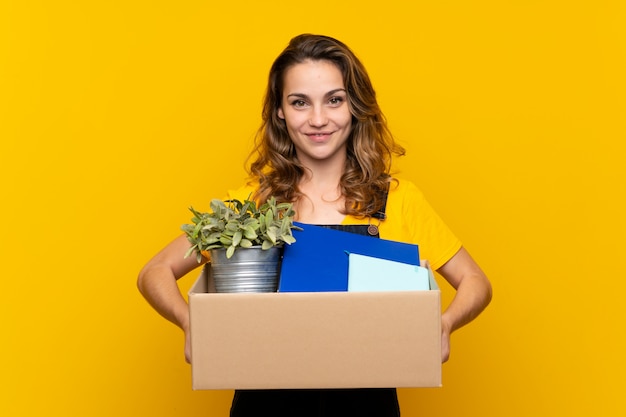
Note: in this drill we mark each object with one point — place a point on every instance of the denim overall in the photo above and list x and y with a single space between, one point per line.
358 402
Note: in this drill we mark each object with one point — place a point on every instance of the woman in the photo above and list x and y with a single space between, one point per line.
324 145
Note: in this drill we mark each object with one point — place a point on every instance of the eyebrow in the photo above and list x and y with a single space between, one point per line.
330 93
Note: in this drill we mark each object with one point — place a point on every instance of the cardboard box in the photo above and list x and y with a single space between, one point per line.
314 340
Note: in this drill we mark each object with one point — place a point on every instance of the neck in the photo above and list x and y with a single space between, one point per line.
322 202
323 174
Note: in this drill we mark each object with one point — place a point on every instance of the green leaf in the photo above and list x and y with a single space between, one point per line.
271 234
232 226
226 240
218 206
252 204
288 239
230 251
266 245
249 233
237 237
190 251
245 208
269 218
196 230
213 237
251 221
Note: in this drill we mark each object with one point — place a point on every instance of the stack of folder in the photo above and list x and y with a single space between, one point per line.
324 259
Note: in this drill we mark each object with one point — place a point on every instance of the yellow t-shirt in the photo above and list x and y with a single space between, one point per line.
410 219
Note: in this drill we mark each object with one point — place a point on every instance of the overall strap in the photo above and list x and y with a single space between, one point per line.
380 214
372 229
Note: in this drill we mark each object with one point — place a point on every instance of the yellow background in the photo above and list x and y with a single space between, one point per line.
115 116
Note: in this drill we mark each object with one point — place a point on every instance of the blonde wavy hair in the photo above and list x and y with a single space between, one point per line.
370 146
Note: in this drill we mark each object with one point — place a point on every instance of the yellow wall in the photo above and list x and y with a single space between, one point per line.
116 116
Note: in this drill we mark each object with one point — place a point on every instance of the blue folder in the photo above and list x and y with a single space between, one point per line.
318 260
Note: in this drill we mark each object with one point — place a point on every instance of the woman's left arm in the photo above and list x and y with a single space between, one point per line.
473 294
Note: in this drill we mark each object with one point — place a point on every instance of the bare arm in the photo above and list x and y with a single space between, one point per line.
473 294
157 283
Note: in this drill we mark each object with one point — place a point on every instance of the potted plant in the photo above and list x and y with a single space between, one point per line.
242 241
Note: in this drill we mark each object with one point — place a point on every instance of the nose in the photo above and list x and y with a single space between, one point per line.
318 117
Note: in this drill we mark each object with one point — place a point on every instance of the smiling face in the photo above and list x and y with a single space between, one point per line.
315 109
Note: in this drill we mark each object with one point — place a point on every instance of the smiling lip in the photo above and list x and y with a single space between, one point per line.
319 136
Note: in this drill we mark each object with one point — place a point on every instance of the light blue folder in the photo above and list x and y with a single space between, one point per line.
367 273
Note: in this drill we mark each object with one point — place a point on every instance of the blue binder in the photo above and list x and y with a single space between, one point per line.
318 261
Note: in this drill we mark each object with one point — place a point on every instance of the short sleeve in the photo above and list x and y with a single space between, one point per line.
411 219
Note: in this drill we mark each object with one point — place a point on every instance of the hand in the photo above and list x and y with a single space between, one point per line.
445 342
188 346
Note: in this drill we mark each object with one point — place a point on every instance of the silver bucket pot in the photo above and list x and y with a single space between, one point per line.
248 270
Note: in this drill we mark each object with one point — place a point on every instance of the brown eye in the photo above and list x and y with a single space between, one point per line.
335 101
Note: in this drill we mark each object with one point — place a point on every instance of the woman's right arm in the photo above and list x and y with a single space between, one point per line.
157 283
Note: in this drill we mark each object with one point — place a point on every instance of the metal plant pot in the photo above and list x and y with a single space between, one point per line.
248 270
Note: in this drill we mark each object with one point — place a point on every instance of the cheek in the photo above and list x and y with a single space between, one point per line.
347 116
350 121
295 119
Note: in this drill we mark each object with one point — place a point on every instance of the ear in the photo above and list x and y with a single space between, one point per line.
280 113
